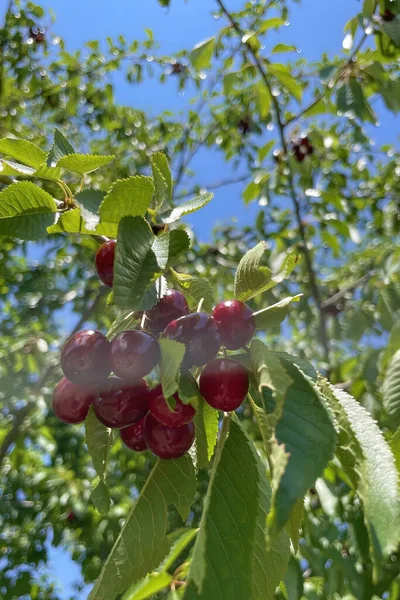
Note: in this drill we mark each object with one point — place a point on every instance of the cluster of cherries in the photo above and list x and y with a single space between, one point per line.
302 147
125 401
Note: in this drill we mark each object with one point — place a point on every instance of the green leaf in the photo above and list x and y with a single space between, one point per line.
368 8
9 168
162 181
146 588
391 391
392 29
98 439
186 208
276 313
194 289
189 392
201 54
172 354
23 151
263 99
61 147
26 211
308 435
350 98
283 48
206 421
170 482
286 79
370 465
271 24
127 197
169 246
83 163
73 221
89 201
126 320
100 495
295 522
264 151
395 448
252 279
181 539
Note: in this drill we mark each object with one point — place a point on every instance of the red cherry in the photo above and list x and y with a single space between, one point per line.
171 306
104 261
200 335
134 354
235 322
167 442
86 357
121 403
182 414
388 15
71 402
71 516
133 436
224 384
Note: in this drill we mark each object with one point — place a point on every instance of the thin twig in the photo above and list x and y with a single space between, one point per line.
214 186
352 286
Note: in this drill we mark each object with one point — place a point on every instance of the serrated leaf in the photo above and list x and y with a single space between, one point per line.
61 147
89 201
172 354
391 391
206 421
146 588
186 208
275 314
252 278
72 221
23 151
369 462
170 482
83 163
194 289
125 321
201 55
26 211
98 439
10 168
162 181
168 246
189 392
181 538
286 79
127 197
395 448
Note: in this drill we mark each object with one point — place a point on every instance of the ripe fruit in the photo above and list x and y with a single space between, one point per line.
86 357
224 384
302 147
71 402
199 333
167 442
121 403
104 261
134 354
182 414
236 323
388 15
133 436
172 306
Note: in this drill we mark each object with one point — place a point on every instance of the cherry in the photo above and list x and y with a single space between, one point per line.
224 384
388 15
133 436
199 333
104 261
121 403
167 442
182 414
134 354
171 306
71 402
86 357
235 322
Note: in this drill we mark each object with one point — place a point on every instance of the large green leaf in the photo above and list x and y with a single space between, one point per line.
287 80
186 208
146 588
23 151
61 147
26 211
195 289
206 421
162 181
127 197
99 440
143 543
391 391
252 278
75 221
172 354
89 201
83 163
368 461
275 314
201 54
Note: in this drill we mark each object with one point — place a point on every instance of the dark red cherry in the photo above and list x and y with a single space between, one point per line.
86 357
171 306
120 403
71 402
105 257
133 436
167 442
235 322
134 354
182 414
224 384
388 15
199 333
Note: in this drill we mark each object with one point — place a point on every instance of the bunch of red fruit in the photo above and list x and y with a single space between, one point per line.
125 400
302 147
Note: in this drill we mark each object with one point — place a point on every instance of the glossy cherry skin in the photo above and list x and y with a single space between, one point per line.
71 402
120 403
171 306
86 357
183 413
199 333
104 262
224 384
167 442
133 436
134 354
235 322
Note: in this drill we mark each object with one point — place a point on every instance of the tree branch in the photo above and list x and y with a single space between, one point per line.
214 186
352 286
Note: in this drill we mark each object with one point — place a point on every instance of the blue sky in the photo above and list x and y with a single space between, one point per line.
316 27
